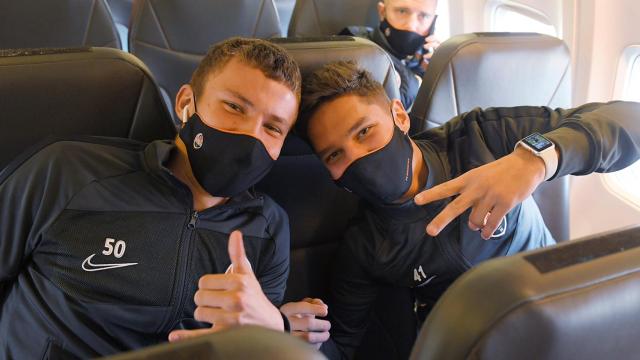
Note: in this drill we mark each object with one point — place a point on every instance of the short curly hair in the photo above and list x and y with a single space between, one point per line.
274 62
331 81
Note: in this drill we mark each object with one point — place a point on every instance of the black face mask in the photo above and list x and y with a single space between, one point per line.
383 176
404 43
224 164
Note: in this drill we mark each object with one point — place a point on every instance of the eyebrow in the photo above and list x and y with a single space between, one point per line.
351 130
281 120
243 99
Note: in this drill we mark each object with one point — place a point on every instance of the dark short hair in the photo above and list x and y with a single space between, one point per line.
331 81
274 62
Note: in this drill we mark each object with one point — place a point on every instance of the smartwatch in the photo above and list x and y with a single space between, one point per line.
543 148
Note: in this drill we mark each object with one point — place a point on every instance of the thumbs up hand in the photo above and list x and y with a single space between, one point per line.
231 299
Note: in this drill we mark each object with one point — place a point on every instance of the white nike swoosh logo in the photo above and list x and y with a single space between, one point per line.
88 266
427 281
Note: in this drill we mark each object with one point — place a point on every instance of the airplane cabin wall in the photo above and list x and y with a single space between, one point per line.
605 29
596 32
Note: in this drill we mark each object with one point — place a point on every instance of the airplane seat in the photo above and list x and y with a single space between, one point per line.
56 24
241 342
328 17
500 69
79 91
319 210
576 300
172 36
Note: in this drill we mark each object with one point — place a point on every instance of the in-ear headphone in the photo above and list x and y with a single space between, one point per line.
185 114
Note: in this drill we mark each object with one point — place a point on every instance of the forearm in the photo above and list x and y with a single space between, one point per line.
604 139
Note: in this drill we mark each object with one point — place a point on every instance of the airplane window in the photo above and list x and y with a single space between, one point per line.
624 183
632 92
443 27
520 19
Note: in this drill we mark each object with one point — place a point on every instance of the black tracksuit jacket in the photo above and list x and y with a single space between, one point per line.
388 246
101 252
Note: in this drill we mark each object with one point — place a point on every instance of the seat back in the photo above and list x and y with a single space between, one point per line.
578 300
171 36
242 342
90 91
500 69
60 23
329 17
492 69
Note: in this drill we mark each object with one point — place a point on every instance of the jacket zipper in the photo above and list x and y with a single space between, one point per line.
184 261
193 220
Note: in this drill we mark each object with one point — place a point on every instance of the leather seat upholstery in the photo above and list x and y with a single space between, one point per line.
89 91
329 17
500 69
492 69
577 300
60 23
242 342
171 36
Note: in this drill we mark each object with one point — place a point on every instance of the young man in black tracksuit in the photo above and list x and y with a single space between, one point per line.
470 180
106 243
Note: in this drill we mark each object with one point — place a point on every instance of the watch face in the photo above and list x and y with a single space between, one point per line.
537 142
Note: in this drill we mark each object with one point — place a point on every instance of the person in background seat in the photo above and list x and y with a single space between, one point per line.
406 33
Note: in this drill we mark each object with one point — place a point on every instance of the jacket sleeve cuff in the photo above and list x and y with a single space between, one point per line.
574 144
285 321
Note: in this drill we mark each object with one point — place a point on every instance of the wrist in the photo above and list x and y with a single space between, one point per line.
278 320
542 148
285 323
535 163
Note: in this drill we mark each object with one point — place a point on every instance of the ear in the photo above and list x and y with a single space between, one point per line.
184 98
401 117
381 10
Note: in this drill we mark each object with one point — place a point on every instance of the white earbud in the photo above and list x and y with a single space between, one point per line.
185 114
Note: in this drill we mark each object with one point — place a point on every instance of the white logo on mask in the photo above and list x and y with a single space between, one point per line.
197 142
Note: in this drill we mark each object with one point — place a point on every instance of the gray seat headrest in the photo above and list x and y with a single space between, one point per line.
493 69
329 17
171 36
85 91
60 23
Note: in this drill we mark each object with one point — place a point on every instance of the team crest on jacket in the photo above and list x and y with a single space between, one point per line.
501 229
